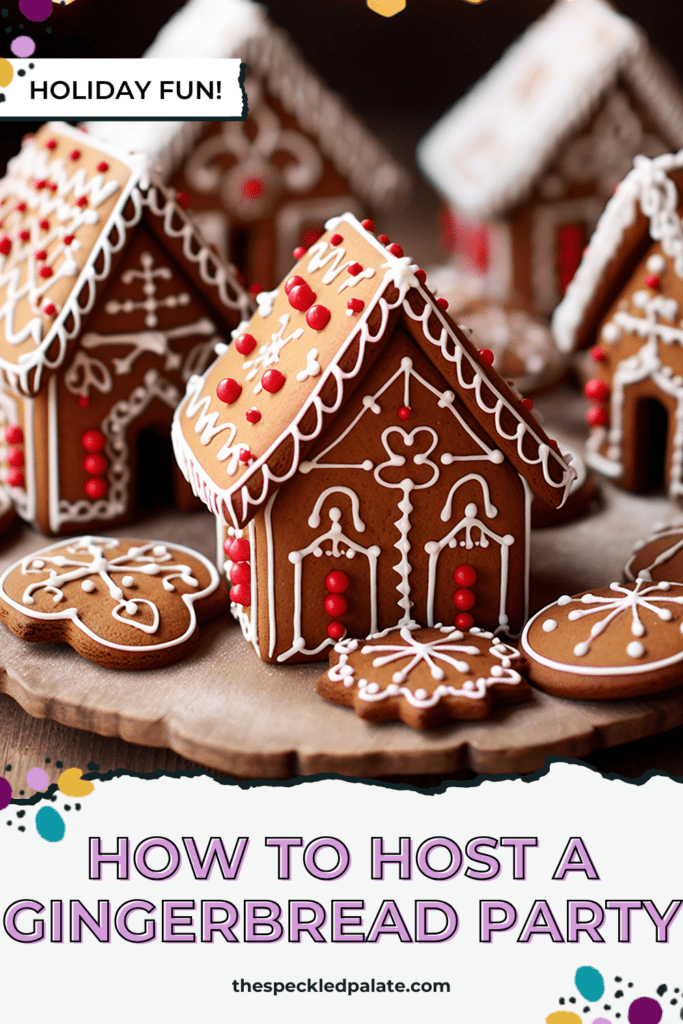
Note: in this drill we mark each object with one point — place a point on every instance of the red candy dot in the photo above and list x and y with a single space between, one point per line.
241 594
403 412
336 239
596 390
41 254
354 269
15 457
598 354
14 435
597 416
442 304
421 276
301 297
15 478
245 455
384 239
39 185
228 390
252 188
465 576
102 166
75 154
253 415
51 144
652 281
93 441
24 235
182 199
84 401
299 252
464 621
238 549
240 572
81 201
95 487
44 225
21 207
368 224
292 282
272 381
527 404
5 245
355 305
52 185
336 630
318 317
245 344
46 272
336 581
49 309
464 600
335 604
395 249
486 356
68 239
95 465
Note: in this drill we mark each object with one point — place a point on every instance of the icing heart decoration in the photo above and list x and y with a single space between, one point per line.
72 783
408 458
132 608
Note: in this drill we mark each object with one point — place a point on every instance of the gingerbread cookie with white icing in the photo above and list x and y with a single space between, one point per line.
659 556
126 604
624 640
424 676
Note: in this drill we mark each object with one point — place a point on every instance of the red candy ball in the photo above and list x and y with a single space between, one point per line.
598 354
395 249
464 600
486 356
245 344
93 441
95 465
335 604
14 435
465 576
253 415
95 487
652 281
403 412
241 594
240 573
336 581
336 631
596 390
245 455
15 457
597 416
528 403
293 282
318 317
182 199
355 305
354 269
5 245
368 224
421 276
336 239
272 381
301 296
464 621
442 304
15 478
299 252
228 390
238 549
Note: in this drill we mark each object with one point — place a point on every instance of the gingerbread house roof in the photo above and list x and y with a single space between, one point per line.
241 28
307 348
68 208
646 207
488 151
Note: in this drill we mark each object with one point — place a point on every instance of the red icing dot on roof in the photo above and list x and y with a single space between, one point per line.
253 415
182 199
421 276
299 252
15 478
102 166
272 381
486 356
442 304
228 390
24 235
44 225
292 282
597 416
83 401
49 309
21 207
527 403
354 269
596 390
395 249
403 412
5 245
336 630
368 224
598 354
95 487
245 455
255 289
318 317
52 185
336 239
252 188
51 144
310 236
355 305
81 201
75 154
301 296
41 184
46 272
652 281
41 254
384 239
245 344
68 239
14 435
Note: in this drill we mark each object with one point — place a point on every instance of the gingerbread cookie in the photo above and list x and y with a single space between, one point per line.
584 493
122 603
659 556
424 676
623 640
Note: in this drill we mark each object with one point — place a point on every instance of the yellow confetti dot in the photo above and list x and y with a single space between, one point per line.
71 784
563 1017
6 72
387 8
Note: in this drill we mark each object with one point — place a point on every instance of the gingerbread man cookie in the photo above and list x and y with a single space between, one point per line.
624 640
659 556
424 676
127 604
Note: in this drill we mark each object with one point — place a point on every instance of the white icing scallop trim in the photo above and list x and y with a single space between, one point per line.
664 530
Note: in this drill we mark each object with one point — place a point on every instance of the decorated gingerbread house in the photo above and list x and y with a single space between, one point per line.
626 304
110 300
366 465
529 158
263 187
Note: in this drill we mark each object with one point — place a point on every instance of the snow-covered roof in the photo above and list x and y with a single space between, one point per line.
647 192
241 28
486 153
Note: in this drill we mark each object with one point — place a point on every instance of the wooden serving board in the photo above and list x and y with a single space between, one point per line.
226 709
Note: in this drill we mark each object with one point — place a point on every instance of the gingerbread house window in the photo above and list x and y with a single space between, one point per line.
571 241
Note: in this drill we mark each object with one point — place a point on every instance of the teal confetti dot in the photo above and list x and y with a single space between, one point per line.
50 825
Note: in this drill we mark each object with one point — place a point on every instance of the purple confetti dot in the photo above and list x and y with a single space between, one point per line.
36 10
601 1020
23 46
37 778
5 793
644 1011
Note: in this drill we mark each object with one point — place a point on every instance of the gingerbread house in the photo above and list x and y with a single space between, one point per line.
529 158
261 188
367 466
110 300
626 305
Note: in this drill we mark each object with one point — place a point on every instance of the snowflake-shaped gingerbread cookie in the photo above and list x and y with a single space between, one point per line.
121 603
424 676
624 640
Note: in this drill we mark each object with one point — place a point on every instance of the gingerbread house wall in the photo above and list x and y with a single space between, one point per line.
396 503
148 333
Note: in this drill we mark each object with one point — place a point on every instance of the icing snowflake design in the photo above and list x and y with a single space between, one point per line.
146 559
650 598
429 652
270 354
